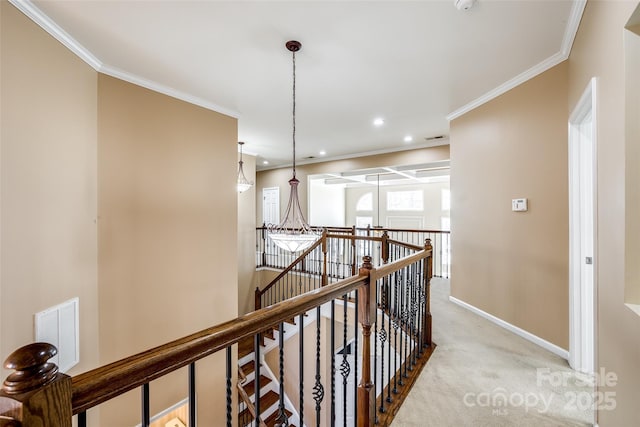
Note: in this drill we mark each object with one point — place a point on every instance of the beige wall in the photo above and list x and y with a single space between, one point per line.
514 265
280 177
48 195
632 157
598 51
247 240
167 226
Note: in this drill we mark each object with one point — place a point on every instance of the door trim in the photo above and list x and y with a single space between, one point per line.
582 353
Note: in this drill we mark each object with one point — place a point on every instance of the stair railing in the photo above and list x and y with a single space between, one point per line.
331 258
269 255
37 394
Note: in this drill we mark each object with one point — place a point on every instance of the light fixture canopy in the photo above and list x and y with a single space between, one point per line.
293 234
243 183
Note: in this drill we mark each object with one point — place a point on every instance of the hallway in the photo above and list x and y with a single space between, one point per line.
483 375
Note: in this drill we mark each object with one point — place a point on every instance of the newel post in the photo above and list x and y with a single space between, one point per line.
36 394
367 315
428 271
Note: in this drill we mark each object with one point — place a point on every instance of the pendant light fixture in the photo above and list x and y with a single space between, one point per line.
293 234
243 183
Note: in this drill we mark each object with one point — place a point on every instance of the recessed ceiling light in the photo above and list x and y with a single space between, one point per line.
322 152
408 138
378 121
265 162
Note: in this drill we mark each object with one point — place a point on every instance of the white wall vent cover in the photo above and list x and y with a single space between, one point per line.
58 325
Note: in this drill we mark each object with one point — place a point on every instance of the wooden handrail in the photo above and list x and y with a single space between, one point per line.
291 266
36 381
409 230
386 269
106 382
406 245
247 401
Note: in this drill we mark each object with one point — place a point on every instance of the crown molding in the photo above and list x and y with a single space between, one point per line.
438 143
47 24
571 30
166 90
575 16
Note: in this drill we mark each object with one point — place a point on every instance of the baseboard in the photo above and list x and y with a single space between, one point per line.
518 331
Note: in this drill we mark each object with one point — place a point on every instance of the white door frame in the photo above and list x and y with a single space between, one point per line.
582 231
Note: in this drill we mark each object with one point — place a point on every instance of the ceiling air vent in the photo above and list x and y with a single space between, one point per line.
433 138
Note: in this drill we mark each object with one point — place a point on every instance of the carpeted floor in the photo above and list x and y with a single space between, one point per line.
483 375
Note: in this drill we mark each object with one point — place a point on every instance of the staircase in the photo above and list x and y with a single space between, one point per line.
269 385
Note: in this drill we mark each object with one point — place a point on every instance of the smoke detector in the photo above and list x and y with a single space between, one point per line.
464 4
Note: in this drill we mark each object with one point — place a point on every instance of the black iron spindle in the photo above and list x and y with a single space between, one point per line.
301 371
355 359
145 406
229 401
318 389
333 362
82 419
192 392
345 368
282 419
256 379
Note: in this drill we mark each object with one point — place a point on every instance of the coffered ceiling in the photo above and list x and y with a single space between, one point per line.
415 64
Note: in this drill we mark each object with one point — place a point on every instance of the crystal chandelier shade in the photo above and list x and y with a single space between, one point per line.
293 234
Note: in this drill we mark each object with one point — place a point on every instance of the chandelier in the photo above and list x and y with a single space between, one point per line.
243 183
293 234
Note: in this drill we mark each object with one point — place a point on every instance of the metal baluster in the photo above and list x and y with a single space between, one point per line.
375 347
355 360
396 324
192 392
403 322
229 398
145 405
82 419
423 300
318 389
256 379
282 418
383 337
333 363
301 371
345 368
390 314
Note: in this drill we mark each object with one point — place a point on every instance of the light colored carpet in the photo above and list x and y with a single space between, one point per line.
483 375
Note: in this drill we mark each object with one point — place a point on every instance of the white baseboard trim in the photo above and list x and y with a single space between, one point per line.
518 331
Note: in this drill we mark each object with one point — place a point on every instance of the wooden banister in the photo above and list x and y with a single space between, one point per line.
291 266
99 385
386 269
36 394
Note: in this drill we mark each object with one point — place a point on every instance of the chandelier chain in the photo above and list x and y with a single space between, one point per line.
294 112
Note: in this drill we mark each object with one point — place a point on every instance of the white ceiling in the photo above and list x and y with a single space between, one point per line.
414 63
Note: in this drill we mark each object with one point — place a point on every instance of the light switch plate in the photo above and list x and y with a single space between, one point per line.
519 205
